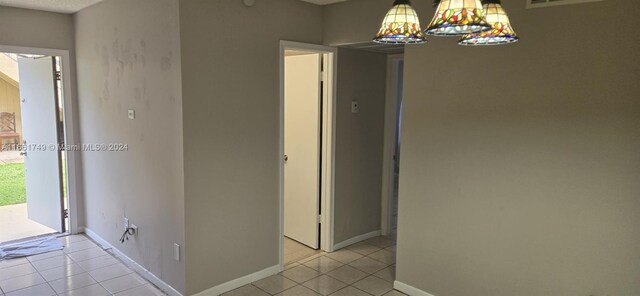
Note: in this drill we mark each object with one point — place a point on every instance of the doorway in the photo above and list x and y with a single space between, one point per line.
33 191
392 142
306 177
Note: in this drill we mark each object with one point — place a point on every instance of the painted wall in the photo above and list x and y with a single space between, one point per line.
231 131
359 141
128 55
31 28
520 165
10 101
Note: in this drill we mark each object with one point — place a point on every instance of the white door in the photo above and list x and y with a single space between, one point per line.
302 148
40 132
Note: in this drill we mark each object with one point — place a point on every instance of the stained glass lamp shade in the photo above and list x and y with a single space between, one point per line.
401 25
501 31
457 18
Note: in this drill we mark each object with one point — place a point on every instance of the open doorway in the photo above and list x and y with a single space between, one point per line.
33 193
392 142
307 120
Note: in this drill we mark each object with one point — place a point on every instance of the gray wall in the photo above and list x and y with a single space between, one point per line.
32 28
520 163
128 56
231 131
359 141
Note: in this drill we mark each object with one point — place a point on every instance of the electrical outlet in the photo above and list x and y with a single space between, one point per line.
355 107
132 114
125 223
135 229
176 252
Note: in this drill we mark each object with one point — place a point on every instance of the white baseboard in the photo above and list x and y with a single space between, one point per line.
409 290
356 239
237 283
132 264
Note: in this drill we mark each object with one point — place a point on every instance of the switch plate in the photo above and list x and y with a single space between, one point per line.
355 107
176 252
132 114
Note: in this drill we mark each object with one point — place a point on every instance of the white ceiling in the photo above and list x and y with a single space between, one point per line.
323 2
72 6
64 6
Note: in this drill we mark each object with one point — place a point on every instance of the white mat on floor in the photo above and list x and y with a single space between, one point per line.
30 248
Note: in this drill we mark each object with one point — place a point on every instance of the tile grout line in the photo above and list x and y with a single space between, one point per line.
147 283
72 262
352 286
45 280
332 277
76 262
88 271
261 289
367 274
112 256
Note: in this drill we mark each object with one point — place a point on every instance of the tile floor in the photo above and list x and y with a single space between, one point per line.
85 269
82 268
295 251
366 268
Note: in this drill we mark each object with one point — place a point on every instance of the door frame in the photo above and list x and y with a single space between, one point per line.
390 133
327 188
70 127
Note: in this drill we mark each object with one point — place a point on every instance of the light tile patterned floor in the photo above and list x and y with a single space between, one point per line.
366 268
295 251
81 269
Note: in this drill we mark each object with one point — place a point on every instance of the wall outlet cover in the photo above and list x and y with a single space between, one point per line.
176 252
355 107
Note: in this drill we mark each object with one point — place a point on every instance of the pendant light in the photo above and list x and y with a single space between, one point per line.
501 31
401 25
457 18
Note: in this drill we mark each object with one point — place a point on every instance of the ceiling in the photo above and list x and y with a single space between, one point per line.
64 6
73 6
323 2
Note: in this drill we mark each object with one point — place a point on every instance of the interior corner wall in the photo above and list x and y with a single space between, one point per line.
362 77
128 56
520 165
231 102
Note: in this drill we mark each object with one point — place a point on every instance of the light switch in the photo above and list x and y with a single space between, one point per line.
132 114
355 107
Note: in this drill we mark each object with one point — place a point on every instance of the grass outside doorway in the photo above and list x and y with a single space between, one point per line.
12 185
